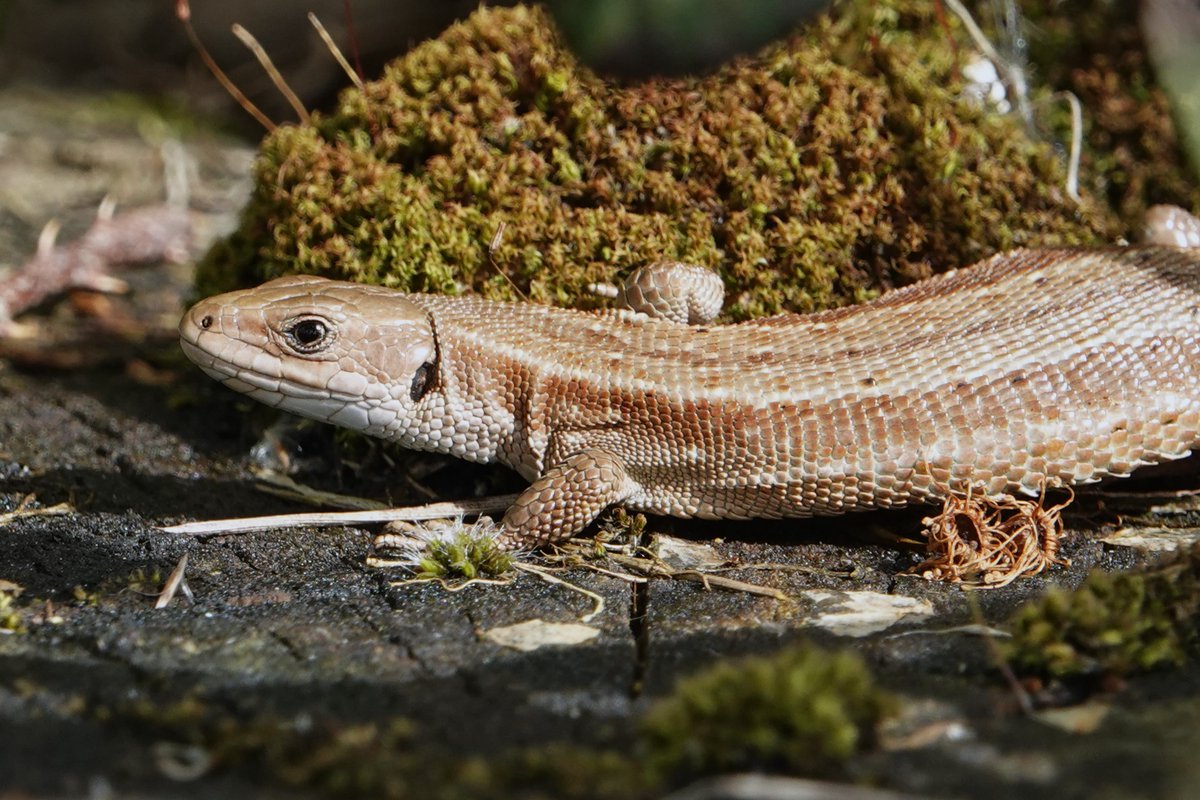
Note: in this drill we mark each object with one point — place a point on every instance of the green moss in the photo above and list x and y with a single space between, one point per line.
358 760
86 597
1114 624
143 580
620 525
835 163
567 772
802 711
387 761
468 553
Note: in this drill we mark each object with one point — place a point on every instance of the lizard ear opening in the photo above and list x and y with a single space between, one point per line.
423 380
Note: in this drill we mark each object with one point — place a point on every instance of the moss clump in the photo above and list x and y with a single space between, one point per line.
839 161
466 553
569 772
144 581
86 597
385 761
1112 625
620 525
802 711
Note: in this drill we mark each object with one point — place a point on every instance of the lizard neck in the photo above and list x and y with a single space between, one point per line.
480 407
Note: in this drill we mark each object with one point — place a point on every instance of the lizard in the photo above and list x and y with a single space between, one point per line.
1034 368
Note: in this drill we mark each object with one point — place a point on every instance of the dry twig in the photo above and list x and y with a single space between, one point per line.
183 11
224 527
175 583
147 235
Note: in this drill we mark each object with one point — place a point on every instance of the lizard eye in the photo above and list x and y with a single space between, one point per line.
309 335
422 381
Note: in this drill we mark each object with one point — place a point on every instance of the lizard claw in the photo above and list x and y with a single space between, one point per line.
406 540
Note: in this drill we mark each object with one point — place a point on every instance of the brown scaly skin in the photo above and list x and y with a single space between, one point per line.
1033 368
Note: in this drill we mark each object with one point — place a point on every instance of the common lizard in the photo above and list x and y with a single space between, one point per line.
1033 368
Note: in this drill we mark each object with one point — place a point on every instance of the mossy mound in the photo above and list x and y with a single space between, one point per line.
838 162
1112 625
804 711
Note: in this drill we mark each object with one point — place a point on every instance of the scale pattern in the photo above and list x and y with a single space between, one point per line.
1033 368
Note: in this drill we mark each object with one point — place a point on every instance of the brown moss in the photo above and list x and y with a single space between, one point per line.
839 161
985 541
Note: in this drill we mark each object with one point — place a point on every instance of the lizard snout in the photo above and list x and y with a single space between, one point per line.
203 316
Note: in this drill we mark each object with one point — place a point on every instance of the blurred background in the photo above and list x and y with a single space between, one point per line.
140 46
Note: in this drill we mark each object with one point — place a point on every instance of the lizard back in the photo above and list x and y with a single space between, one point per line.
1032 368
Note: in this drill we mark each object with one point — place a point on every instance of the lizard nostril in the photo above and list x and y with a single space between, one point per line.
206 321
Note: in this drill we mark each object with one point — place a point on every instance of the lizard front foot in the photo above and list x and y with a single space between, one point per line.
558 505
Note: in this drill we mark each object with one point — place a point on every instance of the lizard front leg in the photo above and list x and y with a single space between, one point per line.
565 499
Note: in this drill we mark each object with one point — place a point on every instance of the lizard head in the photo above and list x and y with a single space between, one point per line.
352 355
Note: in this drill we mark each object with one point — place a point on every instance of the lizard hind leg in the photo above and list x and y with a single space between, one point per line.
675 291
565 499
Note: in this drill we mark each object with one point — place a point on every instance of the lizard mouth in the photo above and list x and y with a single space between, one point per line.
227 373
213 367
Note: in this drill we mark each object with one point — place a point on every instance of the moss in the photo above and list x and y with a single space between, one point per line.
86 597
840 161
1112 625
619 525
338 760
566 772
467 553
384 761
143 580
801 711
